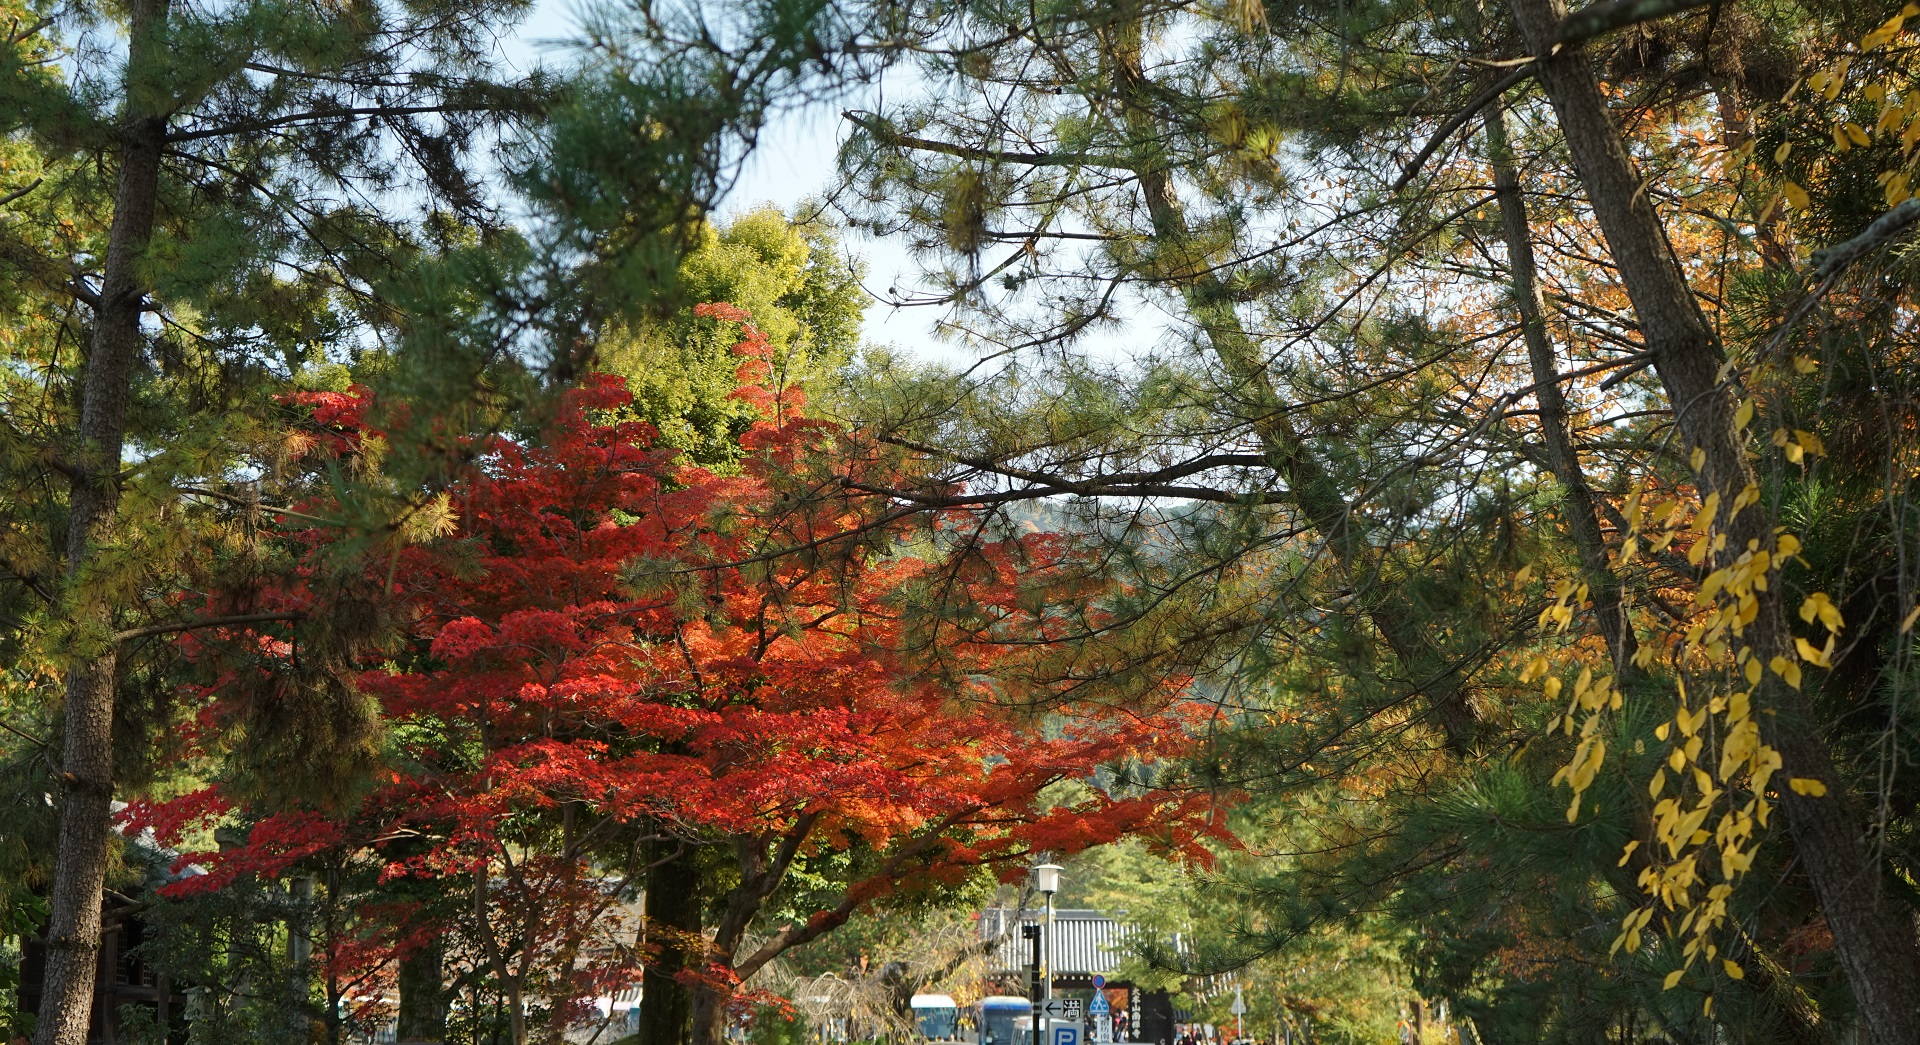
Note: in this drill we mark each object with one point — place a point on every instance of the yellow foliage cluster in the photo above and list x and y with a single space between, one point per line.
1895 117
1711 792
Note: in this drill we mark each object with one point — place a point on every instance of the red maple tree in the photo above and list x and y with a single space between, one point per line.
613 648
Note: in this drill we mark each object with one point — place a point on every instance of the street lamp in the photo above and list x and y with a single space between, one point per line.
1046 879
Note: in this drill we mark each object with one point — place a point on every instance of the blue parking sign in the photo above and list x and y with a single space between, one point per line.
1067 1035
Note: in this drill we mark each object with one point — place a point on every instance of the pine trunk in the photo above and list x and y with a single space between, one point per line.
1576 500
673 921
1873 935
423 997
86 760
1315 493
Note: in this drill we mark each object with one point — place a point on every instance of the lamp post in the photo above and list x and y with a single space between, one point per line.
1046 879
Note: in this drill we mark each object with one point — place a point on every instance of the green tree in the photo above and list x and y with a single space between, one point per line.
803 294
213 175
225 201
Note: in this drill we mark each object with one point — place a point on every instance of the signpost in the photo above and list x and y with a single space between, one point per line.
1057 1009
1065 1034
1239 1009
1102 1019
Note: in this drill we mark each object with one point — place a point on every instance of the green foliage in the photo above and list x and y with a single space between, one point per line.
770 1026
803 295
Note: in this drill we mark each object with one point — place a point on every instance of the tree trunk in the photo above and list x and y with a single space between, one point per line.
86 760
511 985
300 953
672 925
423 996
709 1017
1577 502
1873 935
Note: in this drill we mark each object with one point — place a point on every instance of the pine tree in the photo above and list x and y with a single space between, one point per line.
1303 189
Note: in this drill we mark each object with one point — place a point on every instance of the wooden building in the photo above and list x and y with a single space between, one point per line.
122 979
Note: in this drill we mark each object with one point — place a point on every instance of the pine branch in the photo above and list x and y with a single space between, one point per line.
1459 119
879 129
1612 15
318 115
206 622
18 193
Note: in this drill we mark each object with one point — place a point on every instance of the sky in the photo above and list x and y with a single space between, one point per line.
794 162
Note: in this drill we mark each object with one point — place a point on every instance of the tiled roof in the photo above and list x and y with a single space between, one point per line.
1083 941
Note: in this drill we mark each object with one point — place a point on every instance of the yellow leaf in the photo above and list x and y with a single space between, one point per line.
1628 855
1819 605
1804 364
1662 730
1753 672
1807 786
1780 154
1791 674
1743 416
1795 452
1703 520
1787 544
1811 606
1673 979
1907 625
1841 143
1886 32
1798 199
1734 971
1855 133
1815 657
1654 787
